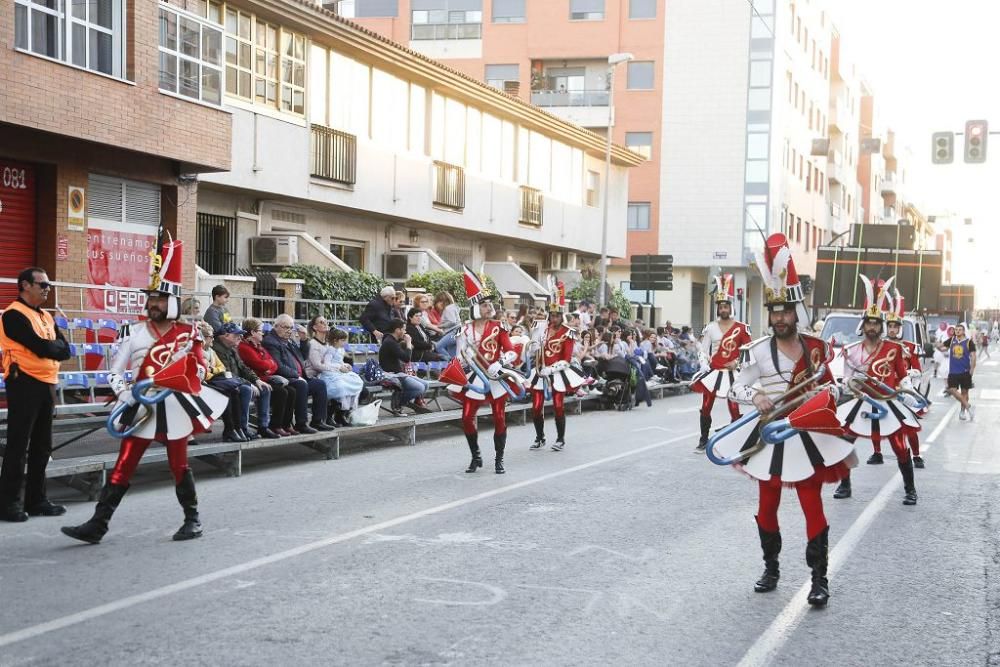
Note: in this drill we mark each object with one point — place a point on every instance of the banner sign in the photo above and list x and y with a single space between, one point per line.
118 255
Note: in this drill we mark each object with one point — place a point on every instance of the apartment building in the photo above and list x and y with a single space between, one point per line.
844 133
554 54
103 129
354 152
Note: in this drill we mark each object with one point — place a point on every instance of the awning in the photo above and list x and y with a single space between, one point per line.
512 280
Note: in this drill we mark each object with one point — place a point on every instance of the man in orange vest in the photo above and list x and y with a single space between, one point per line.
31 348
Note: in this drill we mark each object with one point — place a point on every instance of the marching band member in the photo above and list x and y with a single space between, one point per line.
159 344
485 347
894 329
720 352
773 365
553 374
874 365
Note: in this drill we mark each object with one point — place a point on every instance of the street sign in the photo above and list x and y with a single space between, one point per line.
836 285
652 272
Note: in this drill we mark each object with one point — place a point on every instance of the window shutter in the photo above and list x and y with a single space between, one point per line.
142 204
104 199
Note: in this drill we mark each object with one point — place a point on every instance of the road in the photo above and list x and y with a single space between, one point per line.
626 548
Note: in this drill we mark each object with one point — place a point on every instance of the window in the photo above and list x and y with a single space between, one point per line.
351 253
640 75
499 75
217 244
239 54
508 11
449 185
376 8
642 9
593 188
446 19
640 142
638 215
293 72
265 64
531 206
85 34
190 57
586 10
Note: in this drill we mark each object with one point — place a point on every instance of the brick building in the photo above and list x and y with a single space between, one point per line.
95 149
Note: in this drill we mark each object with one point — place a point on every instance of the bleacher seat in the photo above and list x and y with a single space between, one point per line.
107 324
101 379
73 351
93 348
61 322
265 327
82 323
372 348
74 381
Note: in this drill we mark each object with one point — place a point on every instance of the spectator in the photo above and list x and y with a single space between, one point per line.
522 344
586 319
235 388
524 318
378 312
451 321
343 385
227 340
217 315
443 342
190 310
423 348
574 321
324 364
260 361
394 352
399 306
291 366
603 319
32 348
583 355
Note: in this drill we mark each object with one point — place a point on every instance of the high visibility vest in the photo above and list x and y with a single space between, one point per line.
12 352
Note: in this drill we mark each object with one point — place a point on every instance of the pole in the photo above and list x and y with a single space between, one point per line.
607 180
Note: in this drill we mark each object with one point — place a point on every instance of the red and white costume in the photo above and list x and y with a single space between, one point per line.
553 375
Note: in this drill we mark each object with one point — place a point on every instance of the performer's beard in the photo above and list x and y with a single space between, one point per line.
157 315
784 330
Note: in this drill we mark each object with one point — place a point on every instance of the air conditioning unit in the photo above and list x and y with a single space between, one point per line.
570 261
402 265
553 261
274 250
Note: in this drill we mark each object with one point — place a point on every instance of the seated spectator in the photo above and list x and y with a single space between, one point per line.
227 340
217 315
522 345
217 377
443 341
326 363
191 310
260 361
423 347
378 313
393 354
399 306
583 355
280 342
450 322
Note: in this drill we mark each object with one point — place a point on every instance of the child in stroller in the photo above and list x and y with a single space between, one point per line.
620 385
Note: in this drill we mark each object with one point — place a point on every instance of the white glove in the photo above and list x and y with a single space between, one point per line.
494 369
121 388
201 372
913 374
559 366
507 358
545 371
906 384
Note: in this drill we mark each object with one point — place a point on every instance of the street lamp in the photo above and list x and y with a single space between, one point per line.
614 60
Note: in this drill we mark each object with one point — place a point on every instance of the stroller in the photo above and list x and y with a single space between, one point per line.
621 380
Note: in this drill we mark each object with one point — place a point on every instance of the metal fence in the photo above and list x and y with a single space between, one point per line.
449 185
334 155
217 244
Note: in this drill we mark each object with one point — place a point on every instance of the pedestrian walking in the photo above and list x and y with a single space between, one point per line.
32 347
961 367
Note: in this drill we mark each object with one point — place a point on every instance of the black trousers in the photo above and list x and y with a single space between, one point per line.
30 404
282 405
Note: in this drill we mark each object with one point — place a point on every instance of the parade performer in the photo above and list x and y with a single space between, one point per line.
551 373
169 353
894 330
485 348
778 371
720 352
875 369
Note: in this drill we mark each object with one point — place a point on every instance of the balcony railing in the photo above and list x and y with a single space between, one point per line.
430 31
531 206
334 155
449 185
569 98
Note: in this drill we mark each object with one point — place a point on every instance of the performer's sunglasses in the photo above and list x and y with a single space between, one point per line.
44 285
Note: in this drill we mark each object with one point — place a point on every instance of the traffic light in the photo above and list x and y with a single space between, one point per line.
976 134
943 149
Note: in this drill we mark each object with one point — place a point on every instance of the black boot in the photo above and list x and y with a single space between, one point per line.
844 488
93 530
706 426
560 434
875 459
770 544
816 558
477 457
188 499
499 444
906 468
539 433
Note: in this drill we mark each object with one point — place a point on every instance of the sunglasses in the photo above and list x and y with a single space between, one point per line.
43 285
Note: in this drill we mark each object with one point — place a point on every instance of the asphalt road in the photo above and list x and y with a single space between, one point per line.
626 548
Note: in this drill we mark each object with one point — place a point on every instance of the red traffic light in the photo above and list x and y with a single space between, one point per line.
976 135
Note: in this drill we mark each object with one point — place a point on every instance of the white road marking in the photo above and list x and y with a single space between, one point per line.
187 584
769 643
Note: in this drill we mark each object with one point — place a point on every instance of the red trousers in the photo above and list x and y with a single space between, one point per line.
810 499
538 403
132 450
470 407
708 402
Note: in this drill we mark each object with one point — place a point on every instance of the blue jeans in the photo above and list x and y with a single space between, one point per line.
264 407
413 387
447 347
246 394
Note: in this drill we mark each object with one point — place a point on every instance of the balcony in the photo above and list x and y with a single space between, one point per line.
439 31
840 118
531 206
588 108
334 155
449 186
889 187
836 171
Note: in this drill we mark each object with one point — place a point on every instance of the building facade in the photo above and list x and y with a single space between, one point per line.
97 147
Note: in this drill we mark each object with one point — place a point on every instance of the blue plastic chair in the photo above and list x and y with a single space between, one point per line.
107 324
266 327
61 322
82 323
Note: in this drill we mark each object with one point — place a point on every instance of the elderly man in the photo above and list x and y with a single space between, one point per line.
32 349
227 340
378 313
280 342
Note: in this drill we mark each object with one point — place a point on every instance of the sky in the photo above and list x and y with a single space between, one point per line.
933 65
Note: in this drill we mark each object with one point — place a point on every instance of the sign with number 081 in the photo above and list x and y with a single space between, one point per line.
14 178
